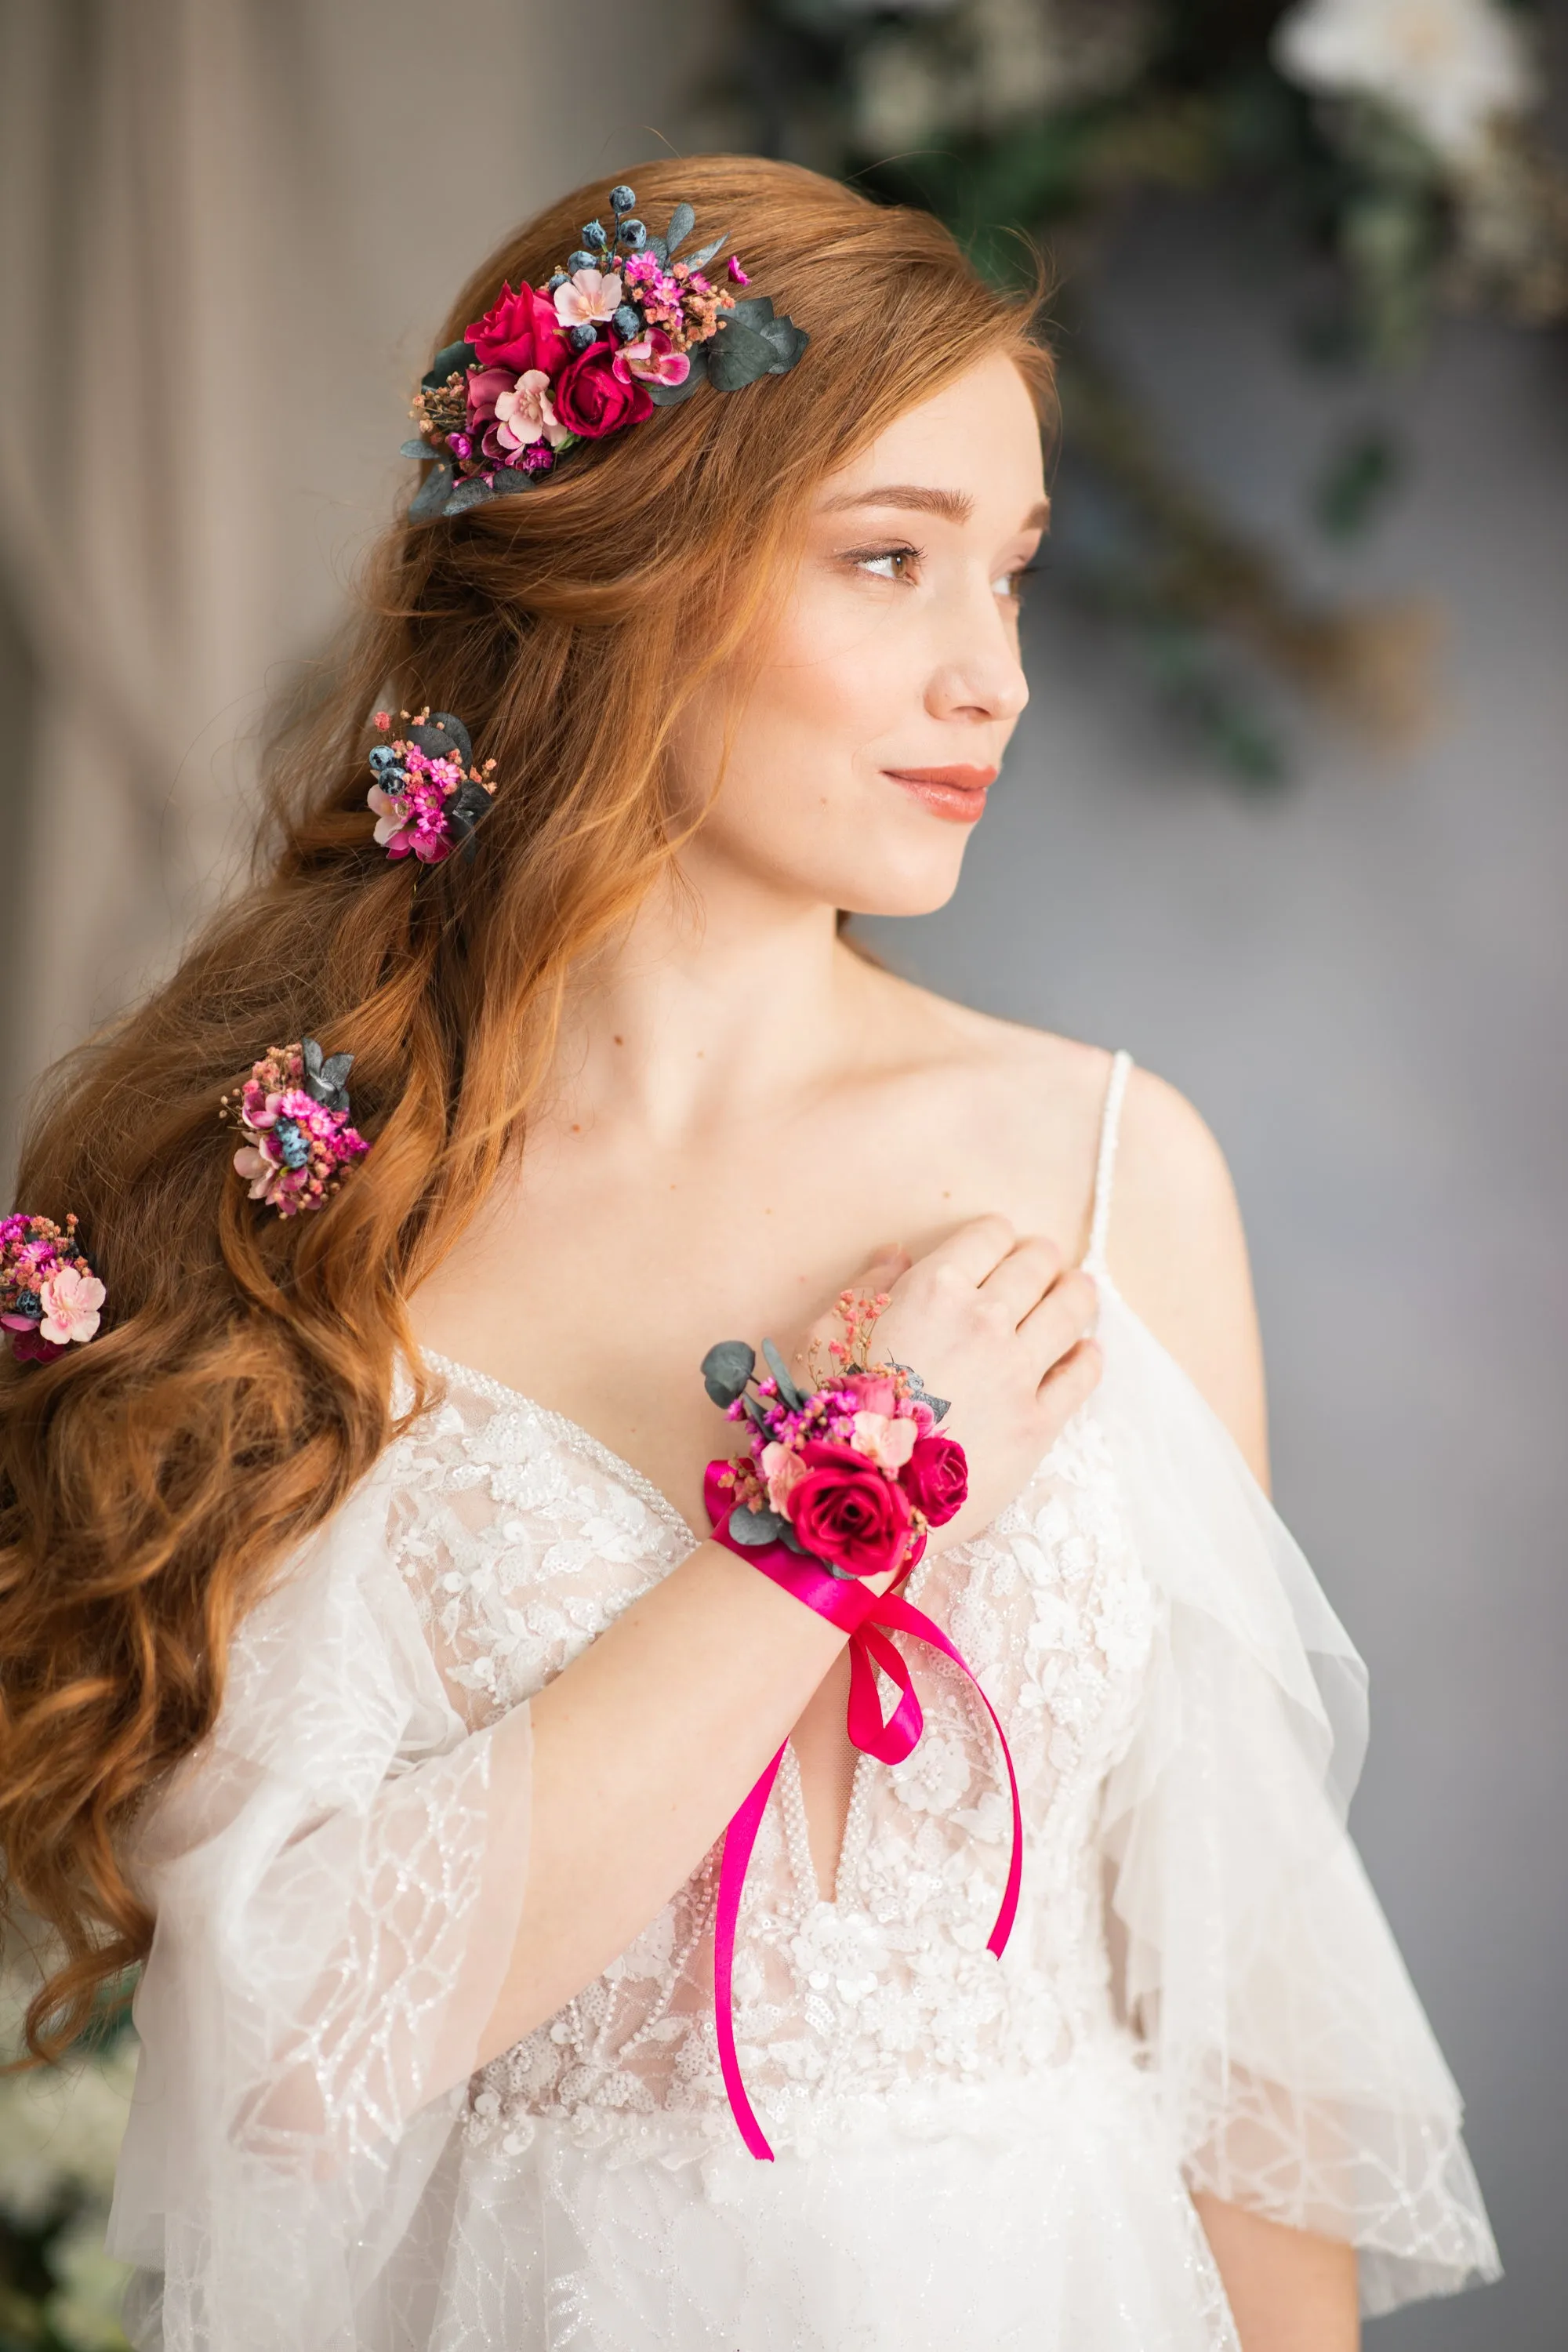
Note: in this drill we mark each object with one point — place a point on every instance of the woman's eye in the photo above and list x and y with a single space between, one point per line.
1010 584
886 562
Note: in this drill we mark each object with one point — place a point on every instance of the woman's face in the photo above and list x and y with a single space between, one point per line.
858 761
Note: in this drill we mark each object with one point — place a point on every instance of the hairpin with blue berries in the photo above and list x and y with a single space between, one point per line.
625 328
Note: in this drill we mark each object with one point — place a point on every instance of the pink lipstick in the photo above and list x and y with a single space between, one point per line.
955 794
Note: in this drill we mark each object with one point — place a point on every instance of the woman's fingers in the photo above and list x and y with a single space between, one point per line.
1017 1282
1063 1317
971 1252
1072 1380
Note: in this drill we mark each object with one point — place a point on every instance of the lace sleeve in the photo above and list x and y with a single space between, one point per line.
1294 2058
336 1876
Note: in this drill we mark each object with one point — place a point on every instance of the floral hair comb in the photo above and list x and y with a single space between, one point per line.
49 1294
293 1111
624 328
427 794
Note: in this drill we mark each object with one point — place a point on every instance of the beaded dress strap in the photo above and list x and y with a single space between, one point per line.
1105 1166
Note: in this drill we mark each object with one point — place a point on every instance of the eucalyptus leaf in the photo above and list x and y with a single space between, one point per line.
510 481
704 255
455 359
726 1369
756 1527
471 493
738 356
752 311
755 1411
788 342
939 1406
788 1536
788 1391
431 497
676 229
442 734
417 448
657 248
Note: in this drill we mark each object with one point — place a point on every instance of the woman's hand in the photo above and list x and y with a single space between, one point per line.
996 1324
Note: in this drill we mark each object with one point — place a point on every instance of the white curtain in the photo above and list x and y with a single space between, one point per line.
228 229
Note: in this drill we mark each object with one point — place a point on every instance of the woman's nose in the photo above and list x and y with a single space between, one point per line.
978 674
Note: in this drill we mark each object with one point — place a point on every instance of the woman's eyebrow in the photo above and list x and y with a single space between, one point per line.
953 506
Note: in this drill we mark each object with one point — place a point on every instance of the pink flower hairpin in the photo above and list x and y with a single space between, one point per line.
293 1112
632 323
51 1299
427 794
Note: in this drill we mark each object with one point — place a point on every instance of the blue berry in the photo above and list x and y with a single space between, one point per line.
633 234
580 338
28 1303
560 279
594 236
628 323
295 1147
621 198
581 260
381 758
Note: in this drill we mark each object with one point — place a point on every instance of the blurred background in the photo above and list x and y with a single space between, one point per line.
1287 815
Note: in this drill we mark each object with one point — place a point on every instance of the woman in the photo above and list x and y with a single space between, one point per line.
393 1719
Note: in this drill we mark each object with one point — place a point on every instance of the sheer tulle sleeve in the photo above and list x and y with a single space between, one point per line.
337 1875
1297 2067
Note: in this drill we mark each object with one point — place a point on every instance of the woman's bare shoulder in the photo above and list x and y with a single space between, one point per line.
1177 1250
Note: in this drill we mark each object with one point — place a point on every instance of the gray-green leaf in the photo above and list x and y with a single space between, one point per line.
431 497
417 448
700 260
756 1527
726 1369
788 1391
471 493
455 359
738 356
677 228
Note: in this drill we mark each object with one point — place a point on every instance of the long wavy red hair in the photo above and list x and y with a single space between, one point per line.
152 1482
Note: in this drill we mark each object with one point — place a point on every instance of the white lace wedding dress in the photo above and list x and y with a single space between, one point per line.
1200 1991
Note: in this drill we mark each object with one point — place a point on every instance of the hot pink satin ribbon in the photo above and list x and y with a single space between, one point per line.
863 1615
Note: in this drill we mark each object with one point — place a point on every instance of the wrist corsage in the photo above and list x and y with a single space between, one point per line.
850 1471
842 1482
51 1299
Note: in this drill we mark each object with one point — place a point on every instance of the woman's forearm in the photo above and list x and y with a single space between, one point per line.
642 1749
1290 2290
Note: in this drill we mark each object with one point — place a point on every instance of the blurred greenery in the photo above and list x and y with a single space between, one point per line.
1049 122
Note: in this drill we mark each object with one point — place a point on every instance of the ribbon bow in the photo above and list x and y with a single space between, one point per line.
868 1617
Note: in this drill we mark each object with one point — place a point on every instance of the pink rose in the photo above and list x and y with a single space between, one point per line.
593 400
519 333
847 1513
72 1303
936 1478
872 1391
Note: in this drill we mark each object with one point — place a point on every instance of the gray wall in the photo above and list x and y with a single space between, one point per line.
1362 985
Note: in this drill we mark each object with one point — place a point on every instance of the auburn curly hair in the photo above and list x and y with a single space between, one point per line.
152 1483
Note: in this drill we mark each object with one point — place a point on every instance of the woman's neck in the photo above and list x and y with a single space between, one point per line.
699 1015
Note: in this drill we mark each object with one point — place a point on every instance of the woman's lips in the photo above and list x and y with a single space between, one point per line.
957 794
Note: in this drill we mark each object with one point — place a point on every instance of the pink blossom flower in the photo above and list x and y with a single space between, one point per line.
588 299
524 414
782 1468
390 815
737 273
885 1439
72 1302
653 358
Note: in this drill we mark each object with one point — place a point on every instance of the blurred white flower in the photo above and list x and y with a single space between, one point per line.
84 2310
60 2126
901 99
1450 67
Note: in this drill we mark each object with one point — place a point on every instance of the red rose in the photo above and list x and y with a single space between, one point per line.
590 398
521 332
847 1513
936 1478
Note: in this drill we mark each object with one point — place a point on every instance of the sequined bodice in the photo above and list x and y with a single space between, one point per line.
523 1538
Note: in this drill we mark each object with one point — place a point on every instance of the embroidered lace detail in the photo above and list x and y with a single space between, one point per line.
521 1539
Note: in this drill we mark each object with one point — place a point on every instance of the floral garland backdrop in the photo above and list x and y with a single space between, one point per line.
1388 157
